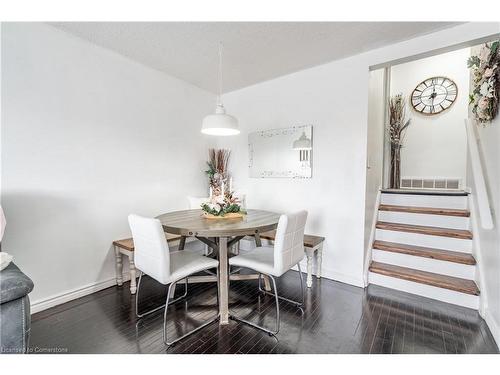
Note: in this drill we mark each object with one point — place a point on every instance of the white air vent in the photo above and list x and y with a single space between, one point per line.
439 183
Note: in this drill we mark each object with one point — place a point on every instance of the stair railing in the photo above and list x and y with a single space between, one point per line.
478 176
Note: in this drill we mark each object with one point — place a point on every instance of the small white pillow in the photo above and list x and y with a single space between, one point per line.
5 260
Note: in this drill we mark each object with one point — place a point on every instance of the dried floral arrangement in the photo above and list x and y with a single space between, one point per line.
223 200
397 131
218 160
485 69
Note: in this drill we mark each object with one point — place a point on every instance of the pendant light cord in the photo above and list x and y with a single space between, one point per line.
220 74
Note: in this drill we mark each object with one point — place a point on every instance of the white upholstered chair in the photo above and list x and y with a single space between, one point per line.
274 261
153 257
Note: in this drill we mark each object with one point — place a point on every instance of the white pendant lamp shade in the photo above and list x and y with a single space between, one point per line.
220 123
303 143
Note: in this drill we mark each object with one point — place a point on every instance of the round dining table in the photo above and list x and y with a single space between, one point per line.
219 234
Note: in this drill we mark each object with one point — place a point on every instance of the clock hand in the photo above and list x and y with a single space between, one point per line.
427 96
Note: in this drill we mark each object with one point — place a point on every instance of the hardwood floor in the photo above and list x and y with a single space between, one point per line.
338 318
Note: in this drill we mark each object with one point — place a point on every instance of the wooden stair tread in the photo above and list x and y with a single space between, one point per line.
309 240
424 210
457 193
128 243
441 281
422 229
425 252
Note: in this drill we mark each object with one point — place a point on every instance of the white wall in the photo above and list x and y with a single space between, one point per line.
334 196
88 137
333 97
375 154
435 146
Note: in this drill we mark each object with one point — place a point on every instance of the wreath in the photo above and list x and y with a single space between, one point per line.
485 69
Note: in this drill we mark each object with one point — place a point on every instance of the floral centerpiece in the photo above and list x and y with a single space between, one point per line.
223 202
485 69
227 205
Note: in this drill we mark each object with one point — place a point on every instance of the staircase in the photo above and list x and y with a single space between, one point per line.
423 245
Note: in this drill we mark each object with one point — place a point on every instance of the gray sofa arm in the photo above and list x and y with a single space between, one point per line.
15 316
13 284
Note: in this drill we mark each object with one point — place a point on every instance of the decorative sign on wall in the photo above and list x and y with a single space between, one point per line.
281 153
434 95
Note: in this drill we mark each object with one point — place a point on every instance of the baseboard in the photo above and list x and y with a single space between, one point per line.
493 326
326 272
46 303
342 277
58 299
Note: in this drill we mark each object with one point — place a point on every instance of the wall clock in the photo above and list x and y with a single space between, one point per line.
434 95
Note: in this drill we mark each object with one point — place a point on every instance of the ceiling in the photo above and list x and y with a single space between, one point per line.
253 51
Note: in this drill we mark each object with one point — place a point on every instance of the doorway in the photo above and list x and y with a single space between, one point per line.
433 151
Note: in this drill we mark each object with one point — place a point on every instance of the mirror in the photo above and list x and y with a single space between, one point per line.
281 153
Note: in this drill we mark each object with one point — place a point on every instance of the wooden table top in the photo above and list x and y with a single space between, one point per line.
193 223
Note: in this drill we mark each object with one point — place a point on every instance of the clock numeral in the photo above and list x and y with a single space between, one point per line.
434 95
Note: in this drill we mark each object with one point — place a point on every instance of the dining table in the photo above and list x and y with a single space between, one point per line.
220 234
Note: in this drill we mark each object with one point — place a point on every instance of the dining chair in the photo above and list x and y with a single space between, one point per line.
153 258
274 261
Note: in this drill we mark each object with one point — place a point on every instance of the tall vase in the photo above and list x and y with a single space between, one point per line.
395 180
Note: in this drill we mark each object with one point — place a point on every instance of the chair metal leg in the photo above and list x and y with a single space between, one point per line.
231 271
159 307
269 332
165 340
298 304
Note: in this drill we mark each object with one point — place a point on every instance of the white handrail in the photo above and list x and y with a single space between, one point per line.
477 172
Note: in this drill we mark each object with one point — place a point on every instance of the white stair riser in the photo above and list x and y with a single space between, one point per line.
423 290
442 267
436 242
436 201
443 221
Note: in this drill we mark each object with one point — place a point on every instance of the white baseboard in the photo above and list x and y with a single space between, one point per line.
326 272
46 303
342 277
492 325
54 300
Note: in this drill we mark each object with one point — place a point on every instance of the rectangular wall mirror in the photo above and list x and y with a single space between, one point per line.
281 153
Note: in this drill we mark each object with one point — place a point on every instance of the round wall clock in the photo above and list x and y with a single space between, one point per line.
434 95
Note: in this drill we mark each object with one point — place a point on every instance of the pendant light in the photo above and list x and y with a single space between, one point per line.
220 123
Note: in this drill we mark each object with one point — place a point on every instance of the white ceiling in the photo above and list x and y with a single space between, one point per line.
253 51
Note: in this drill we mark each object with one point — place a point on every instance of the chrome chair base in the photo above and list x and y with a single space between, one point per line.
165 339
300 305
159 307
277 298
168 302
268 331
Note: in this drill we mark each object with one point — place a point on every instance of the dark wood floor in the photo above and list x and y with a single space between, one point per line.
338 318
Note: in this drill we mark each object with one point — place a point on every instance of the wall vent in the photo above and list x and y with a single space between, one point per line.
439 183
